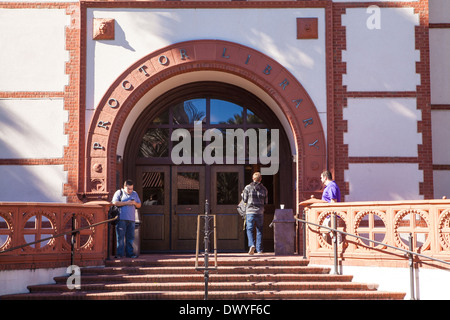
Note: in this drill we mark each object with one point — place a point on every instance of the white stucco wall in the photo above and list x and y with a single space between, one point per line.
440 66
17 281
441 183
440 120
32 183
33 59
33 56
382 127
440 94
381 57
383 181
32 128
439 11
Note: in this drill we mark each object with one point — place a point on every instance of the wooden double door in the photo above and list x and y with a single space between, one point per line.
172 198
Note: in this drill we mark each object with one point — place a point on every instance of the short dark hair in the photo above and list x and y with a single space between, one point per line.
128 183
327 174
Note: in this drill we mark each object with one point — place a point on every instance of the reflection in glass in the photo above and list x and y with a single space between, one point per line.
188 187
252 118
211 114
153 188
190 112
224 112
185 143
163 118
227 188
155 143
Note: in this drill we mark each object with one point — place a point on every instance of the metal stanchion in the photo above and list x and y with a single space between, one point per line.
206 238
72 241
303 226
411 267
335 243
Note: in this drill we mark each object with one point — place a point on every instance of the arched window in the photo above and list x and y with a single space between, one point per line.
209 113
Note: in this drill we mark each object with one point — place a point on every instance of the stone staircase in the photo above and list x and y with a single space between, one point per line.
238 277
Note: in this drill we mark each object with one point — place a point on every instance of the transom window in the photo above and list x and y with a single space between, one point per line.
209 112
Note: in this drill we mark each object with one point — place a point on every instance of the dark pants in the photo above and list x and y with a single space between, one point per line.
125 237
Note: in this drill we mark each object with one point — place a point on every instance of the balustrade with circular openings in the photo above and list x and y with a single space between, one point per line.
390 223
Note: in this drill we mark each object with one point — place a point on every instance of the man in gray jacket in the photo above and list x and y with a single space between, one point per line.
255 195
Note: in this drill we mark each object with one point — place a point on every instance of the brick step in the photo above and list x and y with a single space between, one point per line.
238 277
213 286
199 277
222 295
190 262
219 270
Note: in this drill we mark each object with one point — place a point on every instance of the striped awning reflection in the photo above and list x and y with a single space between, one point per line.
153 180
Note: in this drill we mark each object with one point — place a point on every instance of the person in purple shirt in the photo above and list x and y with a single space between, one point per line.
331 193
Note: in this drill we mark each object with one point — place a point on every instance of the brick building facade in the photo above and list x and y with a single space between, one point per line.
358 87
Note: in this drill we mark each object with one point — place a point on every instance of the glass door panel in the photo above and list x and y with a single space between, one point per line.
153 185
227 183
188 201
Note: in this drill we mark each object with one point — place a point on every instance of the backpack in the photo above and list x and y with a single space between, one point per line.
241 208
114 211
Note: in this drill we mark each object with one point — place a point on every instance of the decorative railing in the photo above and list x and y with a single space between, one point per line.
28 223
394 223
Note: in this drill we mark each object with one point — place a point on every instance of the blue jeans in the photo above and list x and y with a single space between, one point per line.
255 221
125 231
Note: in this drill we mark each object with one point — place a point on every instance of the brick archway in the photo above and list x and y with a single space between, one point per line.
201 55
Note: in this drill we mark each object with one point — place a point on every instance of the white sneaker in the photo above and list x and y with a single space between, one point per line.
252 250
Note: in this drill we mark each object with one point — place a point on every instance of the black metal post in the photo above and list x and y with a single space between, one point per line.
335 243
72 241
206 240
303 226
411 267
108 245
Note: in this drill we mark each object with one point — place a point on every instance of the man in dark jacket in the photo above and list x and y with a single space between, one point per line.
255 196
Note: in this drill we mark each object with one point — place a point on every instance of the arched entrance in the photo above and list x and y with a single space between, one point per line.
174 194
116 117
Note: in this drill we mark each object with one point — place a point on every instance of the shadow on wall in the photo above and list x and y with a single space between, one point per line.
24 136
32 183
